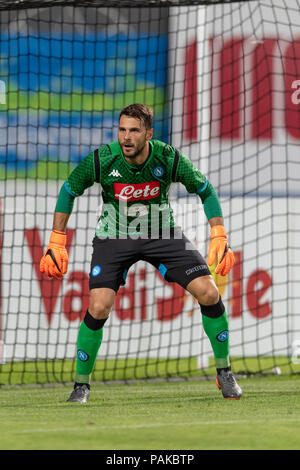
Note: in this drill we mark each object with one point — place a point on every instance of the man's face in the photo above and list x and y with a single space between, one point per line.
133 136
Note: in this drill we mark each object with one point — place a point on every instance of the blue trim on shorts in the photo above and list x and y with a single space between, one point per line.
162 269
124 277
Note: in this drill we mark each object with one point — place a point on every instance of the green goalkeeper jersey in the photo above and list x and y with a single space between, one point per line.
135 197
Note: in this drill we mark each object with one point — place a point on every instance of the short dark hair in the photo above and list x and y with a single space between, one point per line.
139 111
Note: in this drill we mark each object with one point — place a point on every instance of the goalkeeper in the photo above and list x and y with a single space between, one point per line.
135 174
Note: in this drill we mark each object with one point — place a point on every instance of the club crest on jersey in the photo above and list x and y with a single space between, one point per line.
136 192
158 171
115 173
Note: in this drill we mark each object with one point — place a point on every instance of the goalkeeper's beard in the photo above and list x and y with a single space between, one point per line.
137 152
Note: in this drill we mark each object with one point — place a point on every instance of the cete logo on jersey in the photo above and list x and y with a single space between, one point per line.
136 192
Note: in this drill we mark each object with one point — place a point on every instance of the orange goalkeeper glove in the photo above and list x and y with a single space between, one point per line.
220 251
54 263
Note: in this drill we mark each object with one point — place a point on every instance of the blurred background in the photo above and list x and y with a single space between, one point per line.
223 79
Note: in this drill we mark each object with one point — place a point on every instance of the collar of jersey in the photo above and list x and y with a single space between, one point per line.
143 165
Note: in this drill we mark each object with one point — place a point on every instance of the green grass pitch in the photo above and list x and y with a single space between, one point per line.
190 415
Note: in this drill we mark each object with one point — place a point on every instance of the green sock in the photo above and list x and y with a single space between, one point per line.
217 332
88 344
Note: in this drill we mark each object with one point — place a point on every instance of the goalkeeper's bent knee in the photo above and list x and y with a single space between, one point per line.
92 323
213 311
